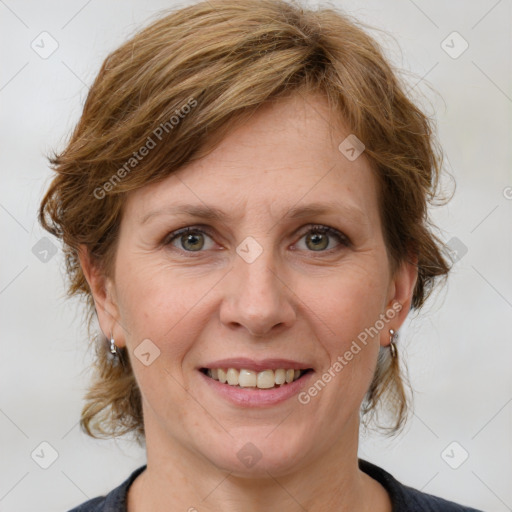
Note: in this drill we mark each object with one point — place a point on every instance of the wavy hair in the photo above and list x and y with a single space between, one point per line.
229 57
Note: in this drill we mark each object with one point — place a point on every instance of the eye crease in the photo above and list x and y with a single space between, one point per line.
319 234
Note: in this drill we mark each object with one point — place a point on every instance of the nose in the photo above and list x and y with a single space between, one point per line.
258 299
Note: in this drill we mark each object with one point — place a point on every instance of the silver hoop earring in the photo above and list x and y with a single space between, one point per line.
392 344
113 347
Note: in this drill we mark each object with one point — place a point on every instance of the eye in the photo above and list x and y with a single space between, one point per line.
189 239
318 238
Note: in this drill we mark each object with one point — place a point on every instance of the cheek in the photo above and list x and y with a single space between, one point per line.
351 299
347 309
160 303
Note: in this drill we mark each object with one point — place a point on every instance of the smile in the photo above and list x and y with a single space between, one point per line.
243 378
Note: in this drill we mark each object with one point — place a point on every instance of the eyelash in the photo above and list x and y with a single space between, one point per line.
316 228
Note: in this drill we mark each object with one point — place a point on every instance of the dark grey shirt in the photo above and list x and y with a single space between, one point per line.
403 498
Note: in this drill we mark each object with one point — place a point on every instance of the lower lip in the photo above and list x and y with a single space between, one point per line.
255 397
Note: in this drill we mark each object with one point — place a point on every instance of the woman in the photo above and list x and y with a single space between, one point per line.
243 205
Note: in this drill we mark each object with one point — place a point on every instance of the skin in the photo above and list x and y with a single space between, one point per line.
295 301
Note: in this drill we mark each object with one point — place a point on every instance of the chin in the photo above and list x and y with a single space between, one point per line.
258 456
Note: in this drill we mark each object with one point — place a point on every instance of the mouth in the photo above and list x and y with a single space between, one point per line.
245 378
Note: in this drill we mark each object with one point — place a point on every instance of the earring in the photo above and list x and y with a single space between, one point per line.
113 348
392 345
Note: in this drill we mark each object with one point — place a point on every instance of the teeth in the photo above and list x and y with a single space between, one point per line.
280 376
266 379
247 379
250 379
232 376
221 375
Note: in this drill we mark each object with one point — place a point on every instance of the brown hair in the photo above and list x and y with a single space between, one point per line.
224 59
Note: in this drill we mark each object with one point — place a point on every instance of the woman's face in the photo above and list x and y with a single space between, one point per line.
254 282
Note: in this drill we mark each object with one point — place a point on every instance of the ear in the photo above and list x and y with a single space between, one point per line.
400 295
103 292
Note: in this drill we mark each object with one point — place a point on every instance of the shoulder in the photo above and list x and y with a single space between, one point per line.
429 503
94 505
114 501
405 498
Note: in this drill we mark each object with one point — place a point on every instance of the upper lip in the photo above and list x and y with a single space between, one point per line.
258 366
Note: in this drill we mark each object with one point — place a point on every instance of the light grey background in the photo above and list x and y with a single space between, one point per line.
459 349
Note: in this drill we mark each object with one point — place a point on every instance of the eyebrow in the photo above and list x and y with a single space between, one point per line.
295 212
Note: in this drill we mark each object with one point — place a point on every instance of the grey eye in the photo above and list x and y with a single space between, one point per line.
190 240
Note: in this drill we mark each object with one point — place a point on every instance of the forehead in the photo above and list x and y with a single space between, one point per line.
284 157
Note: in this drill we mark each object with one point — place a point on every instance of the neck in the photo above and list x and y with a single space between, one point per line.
184 480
